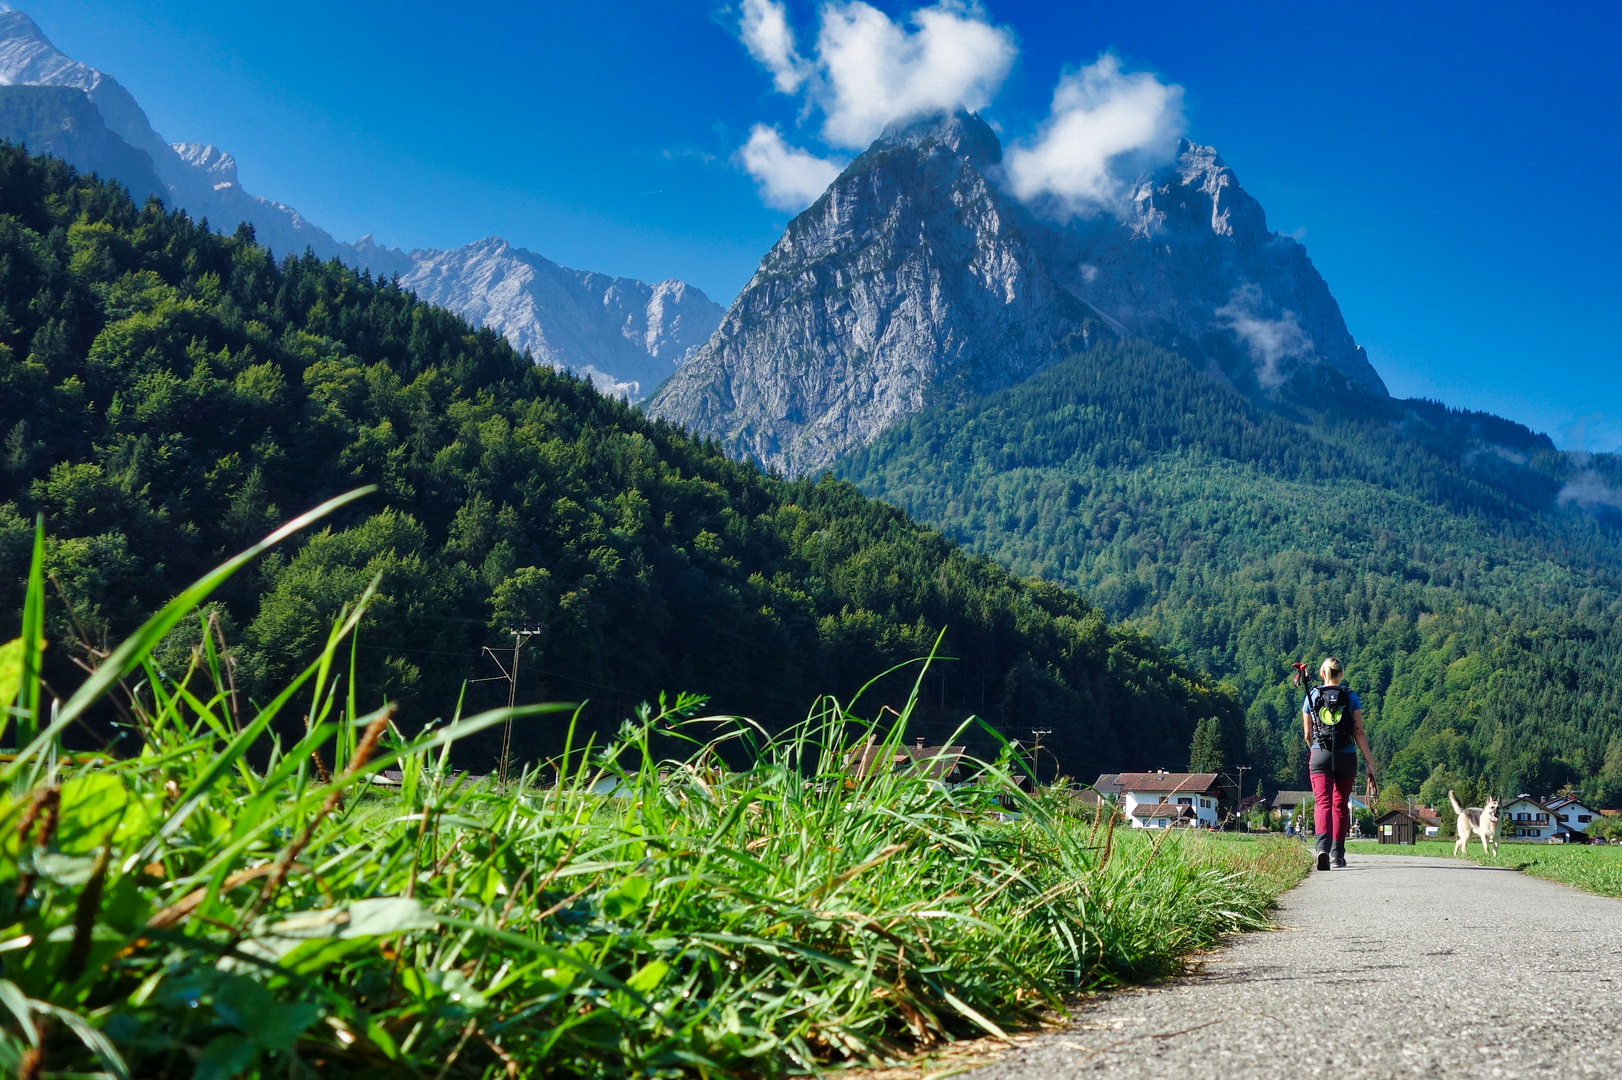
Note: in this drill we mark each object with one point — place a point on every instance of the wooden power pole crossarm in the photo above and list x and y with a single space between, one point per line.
521 638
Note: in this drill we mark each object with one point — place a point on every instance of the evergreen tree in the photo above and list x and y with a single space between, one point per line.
1205 754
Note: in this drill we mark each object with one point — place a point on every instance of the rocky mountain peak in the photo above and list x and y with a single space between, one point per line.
961 133
915 275
1191 265
911 277
211 161
624 335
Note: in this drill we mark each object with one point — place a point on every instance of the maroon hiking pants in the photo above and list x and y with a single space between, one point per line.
1332 775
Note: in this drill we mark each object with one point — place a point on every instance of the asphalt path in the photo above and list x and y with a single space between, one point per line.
1391 967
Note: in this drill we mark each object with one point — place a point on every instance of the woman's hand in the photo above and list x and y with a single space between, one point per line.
1370 787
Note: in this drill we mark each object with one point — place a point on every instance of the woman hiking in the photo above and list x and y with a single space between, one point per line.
1332 724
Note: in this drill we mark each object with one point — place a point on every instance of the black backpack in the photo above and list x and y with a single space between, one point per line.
1331 712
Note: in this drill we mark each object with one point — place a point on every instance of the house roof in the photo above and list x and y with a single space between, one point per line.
1525 799
1567 802
1291 798
1191 783
1162 810
936 762
1426 816
1392 815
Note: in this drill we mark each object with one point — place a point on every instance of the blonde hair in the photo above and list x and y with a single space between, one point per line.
1331 668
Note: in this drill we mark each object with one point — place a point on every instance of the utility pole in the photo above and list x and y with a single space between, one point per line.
1239 797
1036 755
521 636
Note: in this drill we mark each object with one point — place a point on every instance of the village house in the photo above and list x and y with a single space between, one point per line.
943 763
1525 818
1573 814
1159 800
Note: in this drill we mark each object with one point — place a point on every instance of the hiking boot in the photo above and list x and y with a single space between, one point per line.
1340 861
1323 860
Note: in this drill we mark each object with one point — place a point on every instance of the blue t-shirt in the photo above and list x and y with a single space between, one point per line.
1306 710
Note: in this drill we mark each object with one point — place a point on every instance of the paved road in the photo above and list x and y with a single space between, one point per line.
1392 967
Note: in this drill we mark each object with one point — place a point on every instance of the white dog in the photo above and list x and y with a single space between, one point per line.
1477 821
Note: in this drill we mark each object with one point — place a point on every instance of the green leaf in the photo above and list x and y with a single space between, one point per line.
622 901
652 974
387 915
11 671
225 1056
459 988
239 1001
363 919
94 805
279 1027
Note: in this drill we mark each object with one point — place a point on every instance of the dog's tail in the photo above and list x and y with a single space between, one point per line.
1457 809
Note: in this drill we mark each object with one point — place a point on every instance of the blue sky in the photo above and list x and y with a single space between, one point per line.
1450 168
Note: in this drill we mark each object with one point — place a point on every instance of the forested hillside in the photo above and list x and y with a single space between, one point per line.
168 394
1469 573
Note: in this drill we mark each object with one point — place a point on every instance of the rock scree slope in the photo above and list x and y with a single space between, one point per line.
1394 967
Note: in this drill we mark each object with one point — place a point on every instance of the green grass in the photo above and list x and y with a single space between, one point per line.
742 909
1592 867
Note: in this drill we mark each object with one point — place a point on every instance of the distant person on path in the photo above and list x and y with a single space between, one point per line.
1332 724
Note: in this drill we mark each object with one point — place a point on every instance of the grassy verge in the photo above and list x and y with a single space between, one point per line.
1592 867
187 913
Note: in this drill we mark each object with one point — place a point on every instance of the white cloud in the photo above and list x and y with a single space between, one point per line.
789 178
1269 341
1589 489
869 72
765 32
1106 127
873 72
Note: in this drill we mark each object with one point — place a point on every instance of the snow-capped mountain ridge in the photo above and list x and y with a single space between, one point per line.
625 335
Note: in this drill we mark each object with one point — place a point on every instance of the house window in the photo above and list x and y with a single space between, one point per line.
1185 802
1584 819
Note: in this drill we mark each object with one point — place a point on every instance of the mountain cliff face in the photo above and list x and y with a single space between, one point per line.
626 336
909 278
915 277
202 179
1192 266
62 121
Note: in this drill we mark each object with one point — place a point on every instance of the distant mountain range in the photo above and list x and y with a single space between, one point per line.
626 336
915 278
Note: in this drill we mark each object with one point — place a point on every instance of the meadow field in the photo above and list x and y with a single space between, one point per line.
222 901
1596 868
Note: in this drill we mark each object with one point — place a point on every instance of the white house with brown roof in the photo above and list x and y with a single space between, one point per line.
1573 814
1159 800
1525 818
